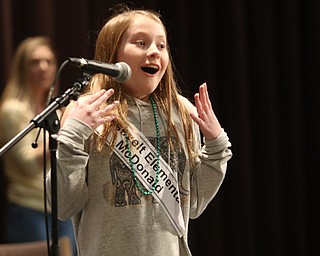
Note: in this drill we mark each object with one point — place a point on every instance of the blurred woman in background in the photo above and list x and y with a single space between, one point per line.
25 95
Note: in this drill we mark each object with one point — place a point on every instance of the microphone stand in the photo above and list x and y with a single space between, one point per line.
49 120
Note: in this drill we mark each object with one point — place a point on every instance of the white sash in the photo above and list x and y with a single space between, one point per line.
144 159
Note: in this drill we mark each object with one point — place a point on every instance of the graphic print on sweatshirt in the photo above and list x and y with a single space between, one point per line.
126 190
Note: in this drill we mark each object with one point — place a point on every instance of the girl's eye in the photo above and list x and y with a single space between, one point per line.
141 43
162 46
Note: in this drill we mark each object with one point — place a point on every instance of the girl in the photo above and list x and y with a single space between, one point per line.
131 170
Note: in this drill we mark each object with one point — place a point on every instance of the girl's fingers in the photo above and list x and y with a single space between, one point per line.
204 97
90 99
101 97
206 118
107 109
93 109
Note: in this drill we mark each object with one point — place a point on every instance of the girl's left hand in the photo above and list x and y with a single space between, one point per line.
206 119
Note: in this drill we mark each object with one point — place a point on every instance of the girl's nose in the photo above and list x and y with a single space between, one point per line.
154 51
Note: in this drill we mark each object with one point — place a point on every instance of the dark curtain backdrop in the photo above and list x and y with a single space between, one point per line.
261 62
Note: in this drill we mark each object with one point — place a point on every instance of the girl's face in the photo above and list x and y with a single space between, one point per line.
144 48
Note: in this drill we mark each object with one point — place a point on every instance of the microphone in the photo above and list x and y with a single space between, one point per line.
120 71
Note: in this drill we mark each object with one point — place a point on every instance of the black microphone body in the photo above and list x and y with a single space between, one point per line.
120 71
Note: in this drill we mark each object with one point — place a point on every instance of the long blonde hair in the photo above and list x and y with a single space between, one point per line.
166 94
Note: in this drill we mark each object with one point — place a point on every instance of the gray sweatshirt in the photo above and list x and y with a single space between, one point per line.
110 215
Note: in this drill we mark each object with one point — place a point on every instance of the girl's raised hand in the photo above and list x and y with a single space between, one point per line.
206 119
91 109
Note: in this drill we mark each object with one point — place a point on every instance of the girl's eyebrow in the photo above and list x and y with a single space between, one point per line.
143 33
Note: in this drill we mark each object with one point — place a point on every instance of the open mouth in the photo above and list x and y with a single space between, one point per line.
150 69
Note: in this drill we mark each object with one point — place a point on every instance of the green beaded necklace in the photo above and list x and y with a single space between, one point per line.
143 190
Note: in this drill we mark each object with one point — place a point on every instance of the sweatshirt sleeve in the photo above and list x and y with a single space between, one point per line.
209 172
72 161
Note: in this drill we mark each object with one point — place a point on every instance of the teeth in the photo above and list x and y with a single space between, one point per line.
151 69
151 66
